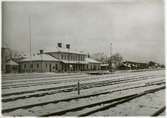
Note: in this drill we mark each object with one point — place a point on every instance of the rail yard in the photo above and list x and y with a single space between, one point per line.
140 93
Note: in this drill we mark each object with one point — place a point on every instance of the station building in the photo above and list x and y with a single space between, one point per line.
60 60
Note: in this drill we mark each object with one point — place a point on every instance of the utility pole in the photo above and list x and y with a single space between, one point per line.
30 41
68 55
110 57
41 54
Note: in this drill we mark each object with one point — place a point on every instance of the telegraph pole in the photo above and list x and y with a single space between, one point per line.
30 41
110 57
68 55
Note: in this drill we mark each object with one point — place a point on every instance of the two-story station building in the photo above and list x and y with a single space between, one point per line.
60 60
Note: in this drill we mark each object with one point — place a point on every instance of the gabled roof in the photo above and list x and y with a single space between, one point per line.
43 57
12 63
90 60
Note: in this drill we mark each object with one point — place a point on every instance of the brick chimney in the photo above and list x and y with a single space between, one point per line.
41 51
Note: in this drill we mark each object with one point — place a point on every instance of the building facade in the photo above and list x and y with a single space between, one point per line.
59 61
69 60
40 63
92 65
12 67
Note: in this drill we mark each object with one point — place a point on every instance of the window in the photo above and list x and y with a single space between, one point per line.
67 57
76 58
61 56
37 65
31 66
24 65
56 66
71 57
81 58
50 68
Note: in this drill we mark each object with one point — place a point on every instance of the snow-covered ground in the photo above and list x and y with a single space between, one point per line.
133 82
143 106
72 81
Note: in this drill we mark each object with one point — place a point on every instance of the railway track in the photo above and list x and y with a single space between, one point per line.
50 88
39 82
27 82
59 79
80 97
45 75
97 94
37 75
107 104
55 82
10 82
68 88
159 111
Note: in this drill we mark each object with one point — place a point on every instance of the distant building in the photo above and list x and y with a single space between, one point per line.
104 66
92 64
133 65
5 56
12 67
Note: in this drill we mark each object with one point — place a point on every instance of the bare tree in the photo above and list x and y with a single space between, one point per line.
115 61
100 56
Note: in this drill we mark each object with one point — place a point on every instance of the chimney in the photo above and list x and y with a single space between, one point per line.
41 51
59 45
68 46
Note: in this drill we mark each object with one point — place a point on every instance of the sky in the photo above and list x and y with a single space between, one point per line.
134 27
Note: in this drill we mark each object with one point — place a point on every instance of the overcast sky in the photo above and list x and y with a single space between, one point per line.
134 27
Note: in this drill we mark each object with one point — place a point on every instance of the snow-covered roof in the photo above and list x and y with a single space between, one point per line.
43 57
73 62
64 50
90 60
12 63
104 64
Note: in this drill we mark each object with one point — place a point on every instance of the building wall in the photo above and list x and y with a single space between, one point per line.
12 69
58 66
70 67
38 66
93 66
49 66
